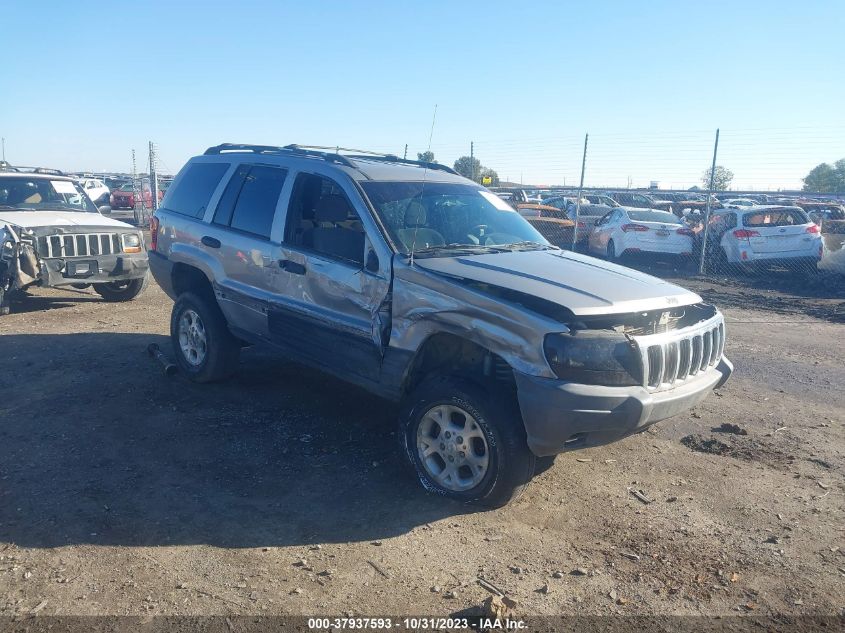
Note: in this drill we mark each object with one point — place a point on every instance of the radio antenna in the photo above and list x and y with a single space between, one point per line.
422 188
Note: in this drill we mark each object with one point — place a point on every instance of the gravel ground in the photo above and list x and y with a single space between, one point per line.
281 491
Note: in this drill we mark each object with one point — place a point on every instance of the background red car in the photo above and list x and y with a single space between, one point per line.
124 197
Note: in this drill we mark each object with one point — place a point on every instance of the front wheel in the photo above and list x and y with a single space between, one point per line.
465 442
611 251
125 290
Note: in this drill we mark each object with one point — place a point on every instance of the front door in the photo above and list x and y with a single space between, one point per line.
330 308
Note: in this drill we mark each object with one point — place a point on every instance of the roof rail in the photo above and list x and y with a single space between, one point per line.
4 166
390 158
271 149
381 156
330 154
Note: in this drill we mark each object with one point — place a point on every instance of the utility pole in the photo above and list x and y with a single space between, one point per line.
406 152
580 189
153 177
472 158
136 191
707 206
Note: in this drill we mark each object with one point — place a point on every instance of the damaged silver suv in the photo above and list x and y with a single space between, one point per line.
425 288
52 234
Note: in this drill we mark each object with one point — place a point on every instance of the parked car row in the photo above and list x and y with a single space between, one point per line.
742 231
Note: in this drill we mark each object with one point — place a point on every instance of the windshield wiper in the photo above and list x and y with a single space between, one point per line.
526 245
458 249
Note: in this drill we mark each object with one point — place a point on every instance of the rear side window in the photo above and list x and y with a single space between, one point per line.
195 189
249 202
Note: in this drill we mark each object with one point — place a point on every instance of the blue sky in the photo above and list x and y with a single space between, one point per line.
85 82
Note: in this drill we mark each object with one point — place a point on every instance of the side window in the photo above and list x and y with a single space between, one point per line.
256 201
322 219
195 189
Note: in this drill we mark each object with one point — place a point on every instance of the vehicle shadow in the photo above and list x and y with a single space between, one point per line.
98 446
23 303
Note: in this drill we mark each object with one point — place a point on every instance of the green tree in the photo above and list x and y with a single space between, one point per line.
722 180
426 156
822 178
469 167
826 178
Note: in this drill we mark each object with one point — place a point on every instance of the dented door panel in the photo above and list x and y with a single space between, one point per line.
330 312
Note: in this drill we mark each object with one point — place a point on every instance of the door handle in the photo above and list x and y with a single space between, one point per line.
213 242
292 267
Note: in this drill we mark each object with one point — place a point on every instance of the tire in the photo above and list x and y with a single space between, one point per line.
508 464
4 302
220 350
118 291
611 252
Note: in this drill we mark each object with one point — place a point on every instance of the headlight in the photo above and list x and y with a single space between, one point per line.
594 357
131 243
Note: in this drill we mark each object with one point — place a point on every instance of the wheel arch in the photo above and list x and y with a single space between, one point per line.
188 278
450 353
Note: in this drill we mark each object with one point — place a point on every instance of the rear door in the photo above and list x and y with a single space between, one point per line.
243 237
332 306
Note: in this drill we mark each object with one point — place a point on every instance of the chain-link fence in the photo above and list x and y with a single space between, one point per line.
705 202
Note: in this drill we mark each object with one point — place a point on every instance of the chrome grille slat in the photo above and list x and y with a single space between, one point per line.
708 347
673 361
686 357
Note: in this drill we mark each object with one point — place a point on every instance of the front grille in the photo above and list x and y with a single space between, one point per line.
673 358
79 245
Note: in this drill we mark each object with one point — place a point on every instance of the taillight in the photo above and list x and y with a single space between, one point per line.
154 233
813 228
745 233
639 228
685 232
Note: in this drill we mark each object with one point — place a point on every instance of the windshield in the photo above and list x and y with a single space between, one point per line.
25 193
435 216
647 215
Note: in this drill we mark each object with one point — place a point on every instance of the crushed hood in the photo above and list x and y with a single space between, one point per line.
584 285
68 219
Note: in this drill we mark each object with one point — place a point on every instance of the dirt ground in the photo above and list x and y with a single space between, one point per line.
123 491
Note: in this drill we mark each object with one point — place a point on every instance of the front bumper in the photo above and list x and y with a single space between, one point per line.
561 416
101 269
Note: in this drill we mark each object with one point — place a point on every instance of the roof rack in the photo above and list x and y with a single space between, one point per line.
365 154
34 170
271 149
390 158
5 166
330 154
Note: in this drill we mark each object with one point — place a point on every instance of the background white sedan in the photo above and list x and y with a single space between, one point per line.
626 230
96 190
